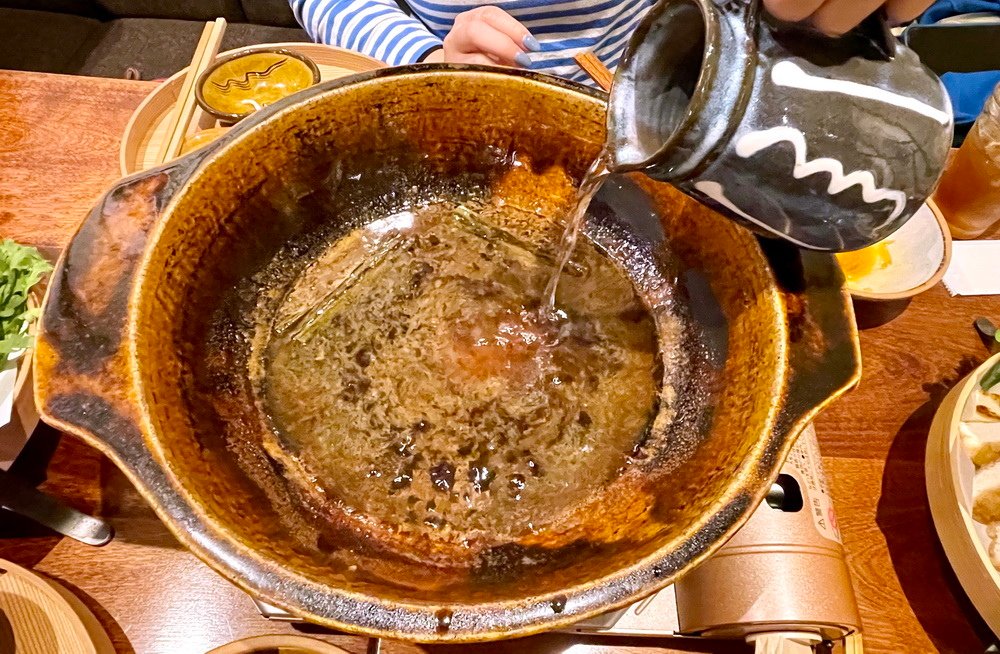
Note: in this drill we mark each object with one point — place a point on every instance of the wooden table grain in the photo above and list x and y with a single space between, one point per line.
58 151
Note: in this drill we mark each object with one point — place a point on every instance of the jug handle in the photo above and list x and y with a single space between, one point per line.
876 29
82 368
873 33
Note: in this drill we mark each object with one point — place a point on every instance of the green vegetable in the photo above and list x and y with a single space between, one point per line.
991 378
20 268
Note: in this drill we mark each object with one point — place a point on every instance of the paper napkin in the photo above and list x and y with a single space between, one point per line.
974 269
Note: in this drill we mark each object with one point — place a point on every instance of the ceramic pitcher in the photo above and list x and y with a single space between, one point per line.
831 143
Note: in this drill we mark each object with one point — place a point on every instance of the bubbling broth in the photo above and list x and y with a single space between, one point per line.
408 373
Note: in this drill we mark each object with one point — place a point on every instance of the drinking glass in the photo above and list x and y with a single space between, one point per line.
969 192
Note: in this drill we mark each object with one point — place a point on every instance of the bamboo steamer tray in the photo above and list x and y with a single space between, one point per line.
283 644
949 473
42 617
147 128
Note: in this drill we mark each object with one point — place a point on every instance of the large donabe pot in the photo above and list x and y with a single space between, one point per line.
118 340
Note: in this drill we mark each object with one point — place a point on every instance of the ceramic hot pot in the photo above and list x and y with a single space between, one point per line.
121 352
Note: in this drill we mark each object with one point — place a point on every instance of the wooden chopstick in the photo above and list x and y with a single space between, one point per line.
204 54
596 69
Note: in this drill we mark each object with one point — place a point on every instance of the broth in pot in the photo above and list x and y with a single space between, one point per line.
412 372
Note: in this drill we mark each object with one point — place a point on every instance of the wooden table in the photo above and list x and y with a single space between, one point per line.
58 152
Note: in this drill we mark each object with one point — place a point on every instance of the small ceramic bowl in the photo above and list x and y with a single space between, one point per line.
907 263
239 84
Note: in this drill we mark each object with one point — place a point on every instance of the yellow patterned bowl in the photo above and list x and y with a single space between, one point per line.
239 84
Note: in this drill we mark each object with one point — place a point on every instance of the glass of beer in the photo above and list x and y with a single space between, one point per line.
969 192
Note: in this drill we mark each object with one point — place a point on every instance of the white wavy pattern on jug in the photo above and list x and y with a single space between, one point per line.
752 143
715 191
787 73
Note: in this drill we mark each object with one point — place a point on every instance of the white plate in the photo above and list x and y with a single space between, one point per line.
919 253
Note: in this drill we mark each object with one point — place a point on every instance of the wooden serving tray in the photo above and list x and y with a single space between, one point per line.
279 644
149 123
45 618
949 471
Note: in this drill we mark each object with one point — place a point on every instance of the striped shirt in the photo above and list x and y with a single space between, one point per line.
381 29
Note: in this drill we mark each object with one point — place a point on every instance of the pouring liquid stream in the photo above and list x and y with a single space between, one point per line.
591 184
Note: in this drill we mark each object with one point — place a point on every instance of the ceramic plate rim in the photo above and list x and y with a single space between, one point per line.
927 284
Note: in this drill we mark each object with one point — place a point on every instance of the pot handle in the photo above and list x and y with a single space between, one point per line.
83 381
824 351
872 37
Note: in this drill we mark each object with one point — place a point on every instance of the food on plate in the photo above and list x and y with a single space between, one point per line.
860 263
21 268
983 407
202 138
981 440
979 432
994 548
986 494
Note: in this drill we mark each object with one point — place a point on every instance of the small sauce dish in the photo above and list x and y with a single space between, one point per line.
237 85
903 265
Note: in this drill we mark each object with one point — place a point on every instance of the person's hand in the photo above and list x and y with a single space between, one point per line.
836 17
487 35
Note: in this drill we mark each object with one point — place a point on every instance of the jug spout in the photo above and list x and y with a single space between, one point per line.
830 143
679 88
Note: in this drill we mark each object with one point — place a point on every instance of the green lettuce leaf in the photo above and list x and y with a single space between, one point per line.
21 268
991 378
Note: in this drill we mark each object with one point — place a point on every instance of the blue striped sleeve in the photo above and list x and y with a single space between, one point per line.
377 28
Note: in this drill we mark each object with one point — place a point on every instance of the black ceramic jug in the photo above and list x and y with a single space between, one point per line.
831 143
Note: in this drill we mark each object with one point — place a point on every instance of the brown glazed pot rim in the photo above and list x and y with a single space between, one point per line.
321 604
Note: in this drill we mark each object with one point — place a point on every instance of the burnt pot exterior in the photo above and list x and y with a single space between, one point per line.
117 345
